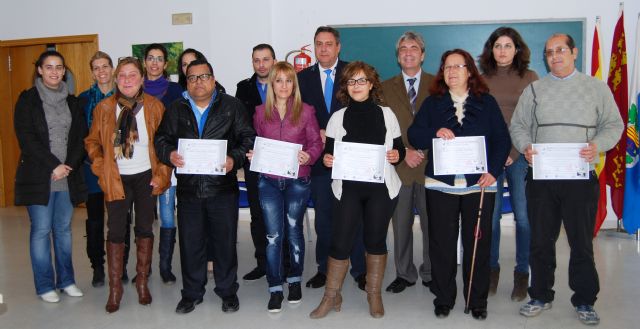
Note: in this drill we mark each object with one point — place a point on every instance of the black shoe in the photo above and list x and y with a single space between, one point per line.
361 280
125 277
98 278
230 303
442 311
275 302
295 293
479 313
427 283
317 281
255 274
187 305
399 285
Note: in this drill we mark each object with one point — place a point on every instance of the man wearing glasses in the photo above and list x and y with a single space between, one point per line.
404 94
205 113
566 106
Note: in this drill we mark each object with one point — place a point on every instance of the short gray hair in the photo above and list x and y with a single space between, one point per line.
410 35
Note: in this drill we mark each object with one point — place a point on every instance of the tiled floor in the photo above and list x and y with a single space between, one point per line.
617 260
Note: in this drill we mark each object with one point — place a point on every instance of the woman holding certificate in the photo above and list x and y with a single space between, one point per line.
128 172
365 203
460 105
284 117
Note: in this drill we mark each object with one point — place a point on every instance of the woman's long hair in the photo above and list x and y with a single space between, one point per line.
295 99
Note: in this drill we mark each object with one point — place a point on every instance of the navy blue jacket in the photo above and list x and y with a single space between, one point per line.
482 117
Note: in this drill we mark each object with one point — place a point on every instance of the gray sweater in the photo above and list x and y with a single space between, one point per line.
579 109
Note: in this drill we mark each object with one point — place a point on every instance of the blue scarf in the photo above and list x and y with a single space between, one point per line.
156 88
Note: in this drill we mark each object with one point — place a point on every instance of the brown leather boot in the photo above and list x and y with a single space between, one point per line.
115 261
520 285
375 274
336 271
145 248
494 276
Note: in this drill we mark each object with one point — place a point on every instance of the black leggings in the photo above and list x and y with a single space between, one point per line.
366 204
136 188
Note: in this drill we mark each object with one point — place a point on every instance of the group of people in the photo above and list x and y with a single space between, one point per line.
131 149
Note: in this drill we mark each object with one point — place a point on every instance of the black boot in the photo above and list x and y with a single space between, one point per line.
167 242
127 247
95 250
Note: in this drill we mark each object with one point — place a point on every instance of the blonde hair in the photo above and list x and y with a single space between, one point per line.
290 73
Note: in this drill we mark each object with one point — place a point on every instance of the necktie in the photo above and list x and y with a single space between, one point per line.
412 94
328 90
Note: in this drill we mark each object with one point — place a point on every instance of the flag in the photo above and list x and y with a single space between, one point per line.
631 213
617 81
596 72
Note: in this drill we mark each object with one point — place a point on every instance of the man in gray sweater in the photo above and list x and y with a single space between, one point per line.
566 106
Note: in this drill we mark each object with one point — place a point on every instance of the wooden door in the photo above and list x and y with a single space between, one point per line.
76 56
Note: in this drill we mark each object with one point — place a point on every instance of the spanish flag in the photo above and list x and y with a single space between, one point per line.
596 72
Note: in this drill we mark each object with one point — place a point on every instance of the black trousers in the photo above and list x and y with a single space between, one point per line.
258 232
446 213
550 204
365 205
213 219
137 191
95 229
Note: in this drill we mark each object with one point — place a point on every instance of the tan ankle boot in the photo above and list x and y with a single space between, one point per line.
144 248
520 285
336 271
376 265
115 259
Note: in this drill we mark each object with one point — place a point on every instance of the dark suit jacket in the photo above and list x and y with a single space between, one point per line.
247 92
311 92
395 96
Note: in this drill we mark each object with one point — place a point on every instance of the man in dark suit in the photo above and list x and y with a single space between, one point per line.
252 92
404 93
318 86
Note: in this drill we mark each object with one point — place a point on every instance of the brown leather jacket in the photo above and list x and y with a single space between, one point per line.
99 145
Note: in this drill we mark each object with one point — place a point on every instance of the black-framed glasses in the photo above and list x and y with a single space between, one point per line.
361 81
558 51
203 77
453 67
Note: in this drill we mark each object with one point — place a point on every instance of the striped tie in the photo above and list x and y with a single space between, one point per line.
412 94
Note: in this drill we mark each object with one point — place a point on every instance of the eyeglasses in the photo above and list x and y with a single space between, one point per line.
361 81
453 67
156 59
558 51
202 77
127 58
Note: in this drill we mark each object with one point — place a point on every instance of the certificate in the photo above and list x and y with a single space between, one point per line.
359 162
460 155
275 157
559 161
202 156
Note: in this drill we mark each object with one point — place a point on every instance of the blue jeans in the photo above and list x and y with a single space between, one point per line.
283 202
51 221
515 174
167 203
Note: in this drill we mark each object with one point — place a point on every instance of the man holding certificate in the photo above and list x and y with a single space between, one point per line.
284 184
206 193
462 117
564 107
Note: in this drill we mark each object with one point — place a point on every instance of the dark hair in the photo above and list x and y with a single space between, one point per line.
201 62
100 55
44 56
328 29
370 73
263 46
521 59
165 54
570 42
182 78
475 83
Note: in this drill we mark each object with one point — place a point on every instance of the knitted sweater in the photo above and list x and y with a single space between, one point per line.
579 109
506 86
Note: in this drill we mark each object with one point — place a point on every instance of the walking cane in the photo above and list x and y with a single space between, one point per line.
476 235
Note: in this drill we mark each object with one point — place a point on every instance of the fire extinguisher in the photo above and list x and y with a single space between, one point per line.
300 61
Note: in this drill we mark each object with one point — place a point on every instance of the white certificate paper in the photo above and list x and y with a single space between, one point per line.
559 161
203 156
275 157
458 156
359 162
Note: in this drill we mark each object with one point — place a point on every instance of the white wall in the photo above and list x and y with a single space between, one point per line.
227 30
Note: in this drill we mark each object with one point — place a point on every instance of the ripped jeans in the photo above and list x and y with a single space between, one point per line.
284 202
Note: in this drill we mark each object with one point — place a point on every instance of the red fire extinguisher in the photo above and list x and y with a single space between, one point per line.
300 61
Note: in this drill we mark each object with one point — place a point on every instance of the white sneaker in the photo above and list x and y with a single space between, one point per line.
73 291
50 297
